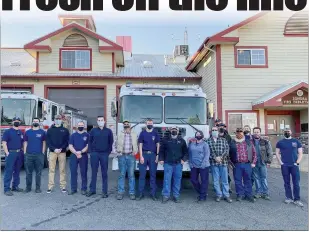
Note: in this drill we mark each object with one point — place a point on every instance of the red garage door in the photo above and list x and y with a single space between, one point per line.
90 101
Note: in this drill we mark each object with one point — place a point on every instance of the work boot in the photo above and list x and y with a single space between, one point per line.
200 200
154 198
165 200
8 193
83 192
251 199
17 189
240 198
119 196
38 191
27 190
140 197
176 200
89 194
132 196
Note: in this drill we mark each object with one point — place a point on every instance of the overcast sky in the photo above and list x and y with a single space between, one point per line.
152 32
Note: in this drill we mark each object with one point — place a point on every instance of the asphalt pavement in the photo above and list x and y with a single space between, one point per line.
59 211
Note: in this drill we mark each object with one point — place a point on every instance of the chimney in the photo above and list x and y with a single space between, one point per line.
126 43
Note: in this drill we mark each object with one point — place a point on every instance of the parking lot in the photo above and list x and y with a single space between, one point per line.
59 211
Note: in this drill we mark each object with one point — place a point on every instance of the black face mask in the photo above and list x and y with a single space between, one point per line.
174 133
246 132
287 134
80 128
16 124
35 124
126 127
199 137
221 130
149 127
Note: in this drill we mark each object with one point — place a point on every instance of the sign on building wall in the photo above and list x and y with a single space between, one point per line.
298 97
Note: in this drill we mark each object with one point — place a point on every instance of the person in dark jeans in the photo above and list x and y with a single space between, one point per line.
12 143
100 146
173 154
291 154
149 147
243 155
199 164
35 147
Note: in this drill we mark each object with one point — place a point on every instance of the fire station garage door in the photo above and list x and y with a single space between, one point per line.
90 101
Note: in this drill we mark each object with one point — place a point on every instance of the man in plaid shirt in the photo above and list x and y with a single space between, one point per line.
243 155
219 156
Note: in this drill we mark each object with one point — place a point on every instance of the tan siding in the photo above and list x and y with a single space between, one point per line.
110 84
208 82
232 34
287 60
49 62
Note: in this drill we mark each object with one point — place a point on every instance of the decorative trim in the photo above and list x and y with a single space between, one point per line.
37 62
219 81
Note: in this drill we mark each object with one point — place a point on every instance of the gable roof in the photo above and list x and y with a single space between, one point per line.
133 68
33 44
280 92
217 38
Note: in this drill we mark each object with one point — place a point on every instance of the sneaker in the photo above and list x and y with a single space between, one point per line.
266 197
165 200
63 190
83 192
38 191
200 200
49 191
288 201
27 191
132 197
218 199
257 196
8 193
251 199
89 194
298 203
17 189
176 200
228 199
104 195
72 192
119 196
140 197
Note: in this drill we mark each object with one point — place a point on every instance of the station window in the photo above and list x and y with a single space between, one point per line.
239 119
75 59
247 57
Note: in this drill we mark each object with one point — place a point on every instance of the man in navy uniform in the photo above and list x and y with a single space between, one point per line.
100 146
78 145
34 147
12 142
149 147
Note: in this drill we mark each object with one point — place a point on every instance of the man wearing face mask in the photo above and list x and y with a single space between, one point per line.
149 147
34 147
78 145
243 155
126 148
100 147
289 153
12 143
264 159
173 154
219 156
57 139
247 132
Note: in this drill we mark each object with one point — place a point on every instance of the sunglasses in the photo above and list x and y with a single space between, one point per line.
238 131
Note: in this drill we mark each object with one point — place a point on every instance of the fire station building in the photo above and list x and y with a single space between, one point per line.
80 68
256 72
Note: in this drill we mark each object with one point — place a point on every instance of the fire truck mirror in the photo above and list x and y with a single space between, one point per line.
211 109
113 109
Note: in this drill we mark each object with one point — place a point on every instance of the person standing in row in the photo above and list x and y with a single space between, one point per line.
100 146
243 155
12 142
219 156
173 154
264 158
199 163
57 139
291 155
78 145
126 148
149 147
34 147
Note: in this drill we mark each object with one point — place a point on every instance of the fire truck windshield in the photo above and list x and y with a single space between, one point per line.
191 109
23 108
133 108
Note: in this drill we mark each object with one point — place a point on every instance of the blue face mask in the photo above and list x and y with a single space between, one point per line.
214 134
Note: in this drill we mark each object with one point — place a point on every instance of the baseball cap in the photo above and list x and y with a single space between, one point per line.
16 118
221 124
125 121
218 120
175 128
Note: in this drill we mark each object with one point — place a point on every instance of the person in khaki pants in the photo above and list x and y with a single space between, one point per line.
57 140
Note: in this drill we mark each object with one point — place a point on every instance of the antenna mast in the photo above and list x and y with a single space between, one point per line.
186 37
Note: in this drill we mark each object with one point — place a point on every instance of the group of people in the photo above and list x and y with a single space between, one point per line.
245 157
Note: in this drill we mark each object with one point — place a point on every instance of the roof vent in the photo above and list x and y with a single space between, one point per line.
16 63
147 64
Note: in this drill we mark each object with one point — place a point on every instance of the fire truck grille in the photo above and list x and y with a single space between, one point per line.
165 133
